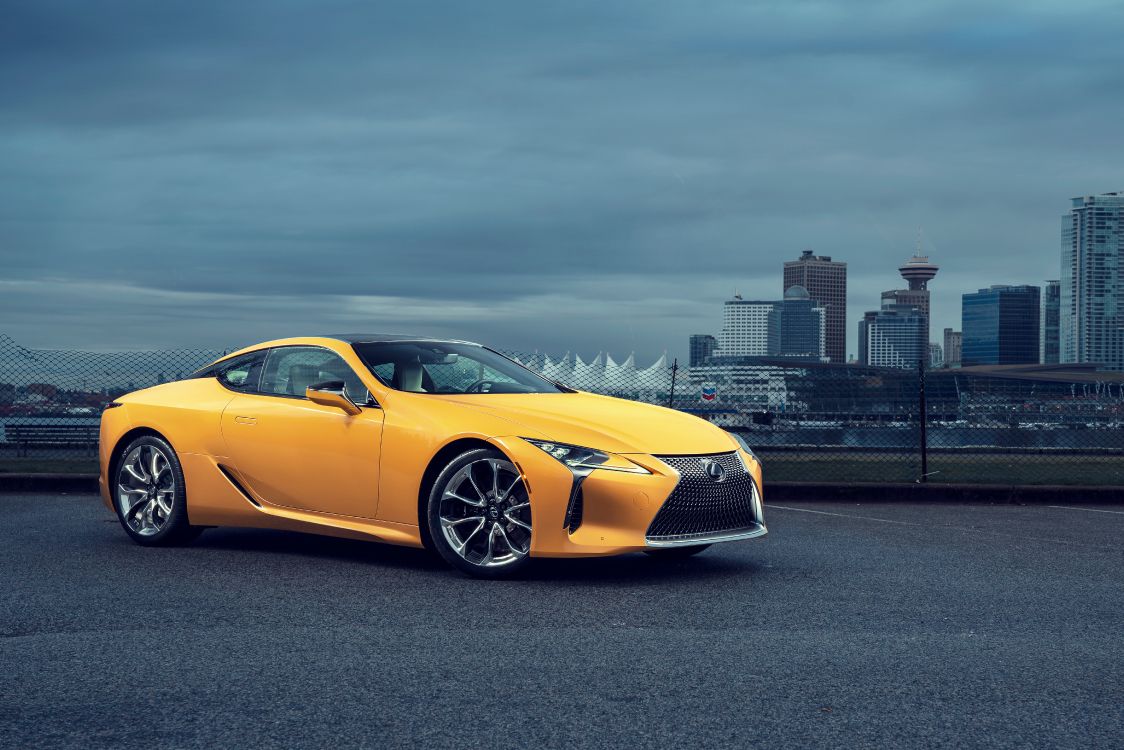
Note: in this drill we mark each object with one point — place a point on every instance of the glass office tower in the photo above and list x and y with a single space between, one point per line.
1001 326
1051 317
702 348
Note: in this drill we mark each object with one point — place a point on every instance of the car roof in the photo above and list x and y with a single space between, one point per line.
379 338
347 338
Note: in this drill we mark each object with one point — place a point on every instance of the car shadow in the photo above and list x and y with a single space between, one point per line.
621 569
638 568
316 545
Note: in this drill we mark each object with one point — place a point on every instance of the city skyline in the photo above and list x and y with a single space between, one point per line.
1072 320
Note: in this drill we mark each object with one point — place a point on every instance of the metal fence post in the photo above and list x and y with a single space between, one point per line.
674 373
924 417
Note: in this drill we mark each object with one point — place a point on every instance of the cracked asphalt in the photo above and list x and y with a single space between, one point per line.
850 625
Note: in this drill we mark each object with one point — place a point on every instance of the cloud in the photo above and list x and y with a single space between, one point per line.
574 176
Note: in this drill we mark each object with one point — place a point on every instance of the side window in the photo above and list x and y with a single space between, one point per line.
242 373
384 372
289 370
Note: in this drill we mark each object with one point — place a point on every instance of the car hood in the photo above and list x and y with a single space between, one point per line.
602 422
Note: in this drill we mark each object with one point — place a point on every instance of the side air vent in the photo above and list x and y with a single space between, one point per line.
574 510
238 485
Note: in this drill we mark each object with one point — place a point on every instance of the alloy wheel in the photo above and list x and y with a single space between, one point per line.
485 513
146 489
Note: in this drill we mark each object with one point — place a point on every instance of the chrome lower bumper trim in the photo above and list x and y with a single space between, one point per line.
725 536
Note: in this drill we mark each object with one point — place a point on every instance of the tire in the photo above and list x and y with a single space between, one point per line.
676 553
479 515
149 494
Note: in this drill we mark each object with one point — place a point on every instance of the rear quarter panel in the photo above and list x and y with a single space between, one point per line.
186 413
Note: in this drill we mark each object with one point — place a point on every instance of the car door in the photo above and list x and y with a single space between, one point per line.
298 454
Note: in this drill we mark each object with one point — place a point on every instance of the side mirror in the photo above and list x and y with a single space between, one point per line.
330 393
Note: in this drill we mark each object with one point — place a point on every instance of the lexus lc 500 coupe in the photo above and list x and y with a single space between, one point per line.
421 442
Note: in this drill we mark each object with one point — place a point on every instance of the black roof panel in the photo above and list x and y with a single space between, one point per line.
372 338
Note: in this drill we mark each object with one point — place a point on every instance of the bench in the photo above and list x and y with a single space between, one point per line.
27 435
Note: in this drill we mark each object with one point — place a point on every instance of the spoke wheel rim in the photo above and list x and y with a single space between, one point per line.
146 489
485 513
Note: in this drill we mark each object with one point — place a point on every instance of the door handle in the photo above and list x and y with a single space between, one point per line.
246 420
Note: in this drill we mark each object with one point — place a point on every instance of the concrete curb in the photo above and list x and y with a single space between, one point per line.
78 483
881 492
866 492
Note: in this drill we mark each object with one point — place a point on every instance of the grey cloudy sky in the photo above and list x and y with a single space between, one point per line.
562 176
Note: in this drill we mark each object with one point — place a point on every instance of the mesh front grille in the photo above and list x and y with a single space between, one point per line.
700 507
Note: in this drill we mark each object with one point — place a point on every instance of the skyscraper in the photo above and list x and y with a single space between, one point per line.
1001 326
891 337
1051 314
952 345
702 347
826 282
1092 285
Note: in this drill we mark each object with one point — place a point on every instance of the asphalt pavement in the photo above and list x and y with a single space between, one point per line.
850 625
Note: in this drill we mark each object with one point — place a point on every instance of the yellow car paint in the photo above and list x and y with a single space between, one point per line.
284 462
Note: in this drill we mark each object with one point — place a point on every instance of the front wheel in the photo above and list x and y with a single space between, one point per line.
149 494
479 515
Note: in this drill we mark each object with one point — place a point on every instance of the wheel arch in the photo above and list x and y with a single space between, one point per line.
440 460
127 437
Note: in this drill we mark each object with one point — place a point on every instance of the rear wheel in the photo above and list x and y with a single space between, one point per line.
149 494
479 515
675 553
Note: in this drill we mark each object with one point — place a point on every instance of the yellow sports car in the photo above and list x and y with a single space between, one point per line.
421 442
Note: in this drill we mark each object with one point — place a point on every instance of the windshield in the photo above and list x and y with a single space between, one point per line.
438 367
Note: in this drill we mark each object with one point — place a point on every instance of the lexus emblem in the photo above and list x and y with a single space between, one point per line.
714 470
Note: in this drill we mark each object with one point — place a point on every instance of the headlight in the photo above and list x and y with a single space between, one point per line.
584 460
744 446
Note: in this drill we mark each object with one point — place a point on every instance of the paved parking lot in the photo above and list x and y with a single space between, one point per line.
850 625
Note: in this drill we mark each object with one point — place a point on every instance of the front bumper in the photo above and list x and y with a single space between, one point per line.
617 510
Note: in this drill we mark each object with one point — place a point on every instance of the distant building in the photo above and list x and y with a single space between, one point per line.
746 326
917 272
952 345
826 282
1001 326
1050 353
802 328
702 348
936 355
1091 320
892 337
792 327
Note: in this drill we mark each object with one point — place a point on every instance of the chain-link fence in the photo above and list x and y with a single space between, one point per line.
1060 424
1019 424
51 399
